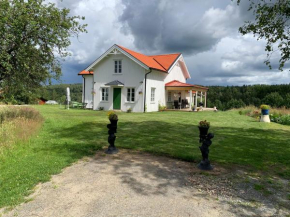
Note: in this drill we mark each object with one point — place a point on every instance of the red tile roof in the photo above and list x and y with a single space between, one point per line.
159 62
86 73
166 60
176 83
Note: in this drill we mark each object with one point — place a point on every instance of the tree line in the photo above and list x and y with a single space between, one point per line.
58 92
229 97
223 97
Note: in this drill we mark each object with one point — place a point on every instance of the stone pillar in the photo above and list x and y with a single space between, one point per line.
201 96
205 93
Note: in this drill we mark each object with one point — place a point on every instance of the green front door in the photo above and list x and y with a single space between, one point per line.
117 99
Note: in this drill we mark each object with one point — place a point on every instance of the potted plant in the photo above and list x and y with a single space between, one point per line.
265 109
162 108
113 117
203 127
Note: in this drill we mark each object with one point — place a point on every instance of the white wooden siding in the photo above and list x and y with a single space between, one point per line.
155 80
132 76
88 89
175 74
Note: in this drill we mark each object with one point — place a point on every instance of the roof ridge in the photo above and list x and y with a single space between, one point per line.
131 50
123 48
165 54
148 55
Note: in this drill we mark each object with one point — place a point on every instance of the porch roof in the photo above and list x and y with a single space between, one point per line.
176 83
115 83
84 72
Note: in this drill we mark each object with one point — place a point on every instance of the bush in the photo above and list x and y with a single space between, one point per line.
209 104
285 119
129 110
234 103
287 101
250 111
218 104
280 119
11 112
273 99
255 101
280 116
161 108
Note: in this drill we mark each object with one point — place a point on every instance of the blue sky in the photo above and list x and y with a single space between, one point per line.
205 31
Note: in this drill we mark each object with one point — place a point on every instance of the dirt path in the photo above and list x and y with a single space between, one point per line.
132 184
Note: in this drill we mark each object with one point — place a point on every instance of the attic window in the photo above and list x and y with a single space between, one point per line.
118 66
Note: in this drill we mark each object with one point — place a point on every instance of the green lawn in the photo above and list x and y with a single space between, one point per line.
68 135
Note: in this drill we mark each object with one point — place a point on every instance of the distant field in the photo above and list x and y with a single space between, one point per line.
68 135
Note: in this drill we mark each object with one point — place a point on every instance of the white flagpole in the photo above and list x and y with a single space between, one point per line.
67 96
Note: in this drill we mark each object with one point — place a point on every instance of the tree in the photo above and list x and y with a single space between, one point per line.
54 95
234 103
272 24
34 37
287 101
273 99
218 104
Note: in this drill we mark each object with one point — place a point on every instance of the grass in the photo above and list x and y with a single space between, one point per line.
68 135
17 124
277 115
259 187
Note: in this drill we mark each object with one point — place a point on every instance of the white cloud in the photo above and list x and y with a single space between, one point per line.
208 29
230 66
103 28
222 22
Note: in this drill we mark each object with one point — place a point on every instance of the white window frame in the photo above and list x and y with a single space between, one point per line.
130 94
169 96
103 98
119 67
153 94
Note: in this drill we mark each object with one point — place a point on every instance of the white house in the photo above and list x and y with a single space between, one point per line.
121 79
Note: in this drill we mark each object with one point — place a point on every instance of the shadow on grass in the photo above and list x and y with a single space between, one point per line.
257 148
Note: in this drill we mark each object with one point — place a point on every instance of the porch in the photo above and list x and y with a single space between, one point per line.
182 96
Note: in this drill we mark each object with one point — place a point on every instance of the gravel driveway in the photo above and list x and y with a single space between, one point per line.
128 184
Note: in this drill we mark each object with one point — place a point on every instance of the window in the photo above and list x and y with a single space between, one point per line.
130 94
118 66
169 97
105 94
152 94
